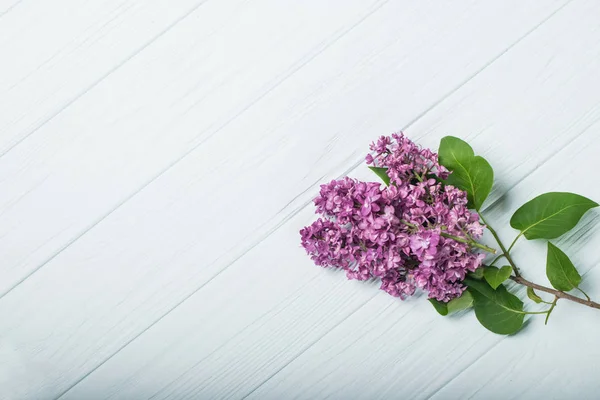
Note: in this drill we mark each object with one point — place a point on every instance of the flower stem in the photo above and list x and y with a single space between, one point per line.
467 241
557 293
504 251
550 310
514 242
584 293
496 259
408 224
457 238
522 281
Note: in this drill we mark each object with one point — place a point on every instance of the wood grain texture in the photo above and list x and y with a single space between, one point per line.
143 118
169 260
453 357
60 51
289 344
7 6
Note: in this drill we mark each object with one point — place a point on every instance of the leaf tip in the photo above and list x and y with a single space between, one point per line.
441 308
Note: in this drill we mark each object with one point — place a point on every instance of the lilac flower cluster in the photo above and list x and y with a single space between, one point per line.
415 233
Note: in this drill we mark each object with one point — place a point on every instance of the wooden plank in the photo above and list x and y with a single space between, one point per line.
559 357
55 54
8 5
384 349
308 333
268 323
139 121
154 251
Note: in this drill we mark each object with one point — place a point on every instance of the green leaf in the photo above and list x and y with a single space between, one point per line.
482 287
476 177
495 276
497 310
478 273
550 215
560 270
460 303
470 173
382 173
441 308
533 296
453 150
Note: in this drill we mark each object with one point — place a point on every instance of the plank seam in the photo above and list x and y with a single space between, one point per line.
187 153
106 75
306 348
434 105
302 206
426 111
233 337
285 220
464 370
481 357
10 8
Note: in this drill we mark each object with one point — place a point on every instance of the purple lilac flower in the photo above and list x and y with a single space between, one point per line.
398 233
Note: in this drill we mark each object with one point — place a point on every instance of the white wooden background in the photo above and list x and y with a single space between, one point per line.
158 157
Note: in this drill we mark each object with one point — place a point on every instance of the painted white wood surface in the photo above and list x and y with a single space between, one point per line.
160 159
